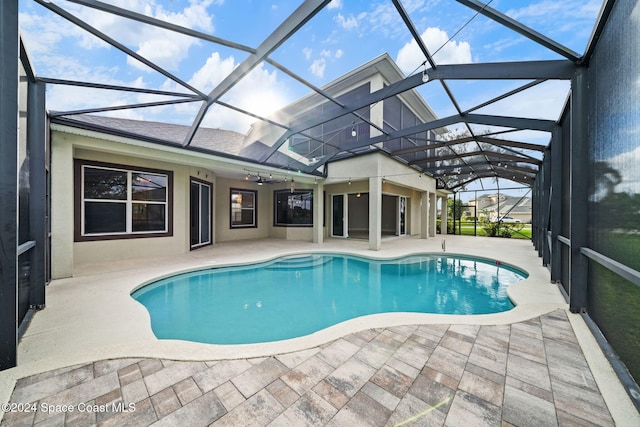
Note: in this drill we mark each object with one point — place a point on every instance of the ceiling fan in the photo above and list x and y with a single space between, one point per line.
261 181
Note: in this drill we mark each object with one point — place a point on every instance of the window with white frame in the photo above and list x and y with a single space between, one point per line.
118 201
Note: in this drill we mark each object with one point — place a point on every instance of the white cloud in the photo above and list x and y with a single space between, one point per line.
346 23
165 48
325 53
410 56
339 53
335 4
318 66
307 51
384 20
212 72
259 92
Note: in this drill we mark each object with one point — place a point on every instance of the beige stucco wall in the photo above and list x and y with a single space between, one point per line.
265 226
397 179
69 256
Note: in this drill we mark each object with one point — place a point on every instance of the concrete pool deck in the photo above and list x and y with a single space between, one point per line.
91 319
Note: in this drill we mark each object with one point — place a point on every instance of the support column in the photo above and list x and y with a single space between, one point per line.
433 201
9 184
424 214
36 130
546 207
318 213
443 215
556 203
375 213
579 192
62 170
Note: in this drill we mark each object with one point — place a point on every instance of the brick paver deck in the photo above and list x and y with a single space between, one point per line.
531 373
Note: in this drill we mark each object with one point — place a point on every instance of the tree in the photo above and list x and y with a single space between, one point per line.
458 208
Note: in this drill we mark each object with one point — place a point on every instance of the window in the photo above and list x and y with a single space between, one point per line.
115 201
243 208
293 209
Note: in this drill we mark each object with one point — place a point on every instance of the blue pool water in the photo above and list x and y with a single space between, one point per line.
295 296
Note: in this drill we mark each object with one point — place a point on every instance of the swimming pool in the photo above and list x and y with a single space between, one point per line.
294 296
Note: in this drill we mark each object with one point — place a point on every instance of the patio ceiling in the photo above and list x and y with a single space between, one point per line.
483 145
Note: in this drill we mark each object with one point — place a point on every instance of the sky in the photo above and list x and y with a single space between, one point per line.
341 37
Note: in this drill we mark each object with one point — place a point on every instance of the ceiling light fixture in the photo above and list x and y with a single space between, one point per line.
354 132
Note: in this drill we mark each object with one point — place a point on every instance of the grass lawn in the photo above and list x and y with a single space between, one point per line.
467 229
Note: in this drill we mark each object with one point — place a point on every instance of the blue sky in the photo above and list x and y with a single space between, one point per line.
344 35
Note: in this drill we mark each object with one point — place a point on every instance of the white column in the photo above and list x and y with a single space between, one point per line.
432 214
318 213
375 213
62 206
443 215
424 214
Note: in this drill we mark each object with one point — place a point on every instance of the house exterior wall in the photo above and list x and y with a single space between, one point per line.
266 227
399 180
69 255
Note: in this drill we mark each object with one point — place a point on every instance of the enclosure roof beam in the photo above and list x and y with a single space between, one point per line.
504 95
521 29
414 33
118 88
119 107
125 13
418 39
288 28
306 122
509 143
489 120
494 141
80 23
498 166
480 153
520 70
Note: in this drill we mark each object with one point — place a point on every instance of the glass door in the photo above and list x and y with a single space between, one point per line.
200 214
338 215
402 217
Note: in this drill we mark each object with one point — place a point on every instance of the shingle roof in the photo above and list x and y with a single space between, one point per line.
216 141
220 140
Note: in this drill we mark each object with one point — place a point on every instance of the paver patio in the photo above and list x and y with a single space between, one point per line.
530 373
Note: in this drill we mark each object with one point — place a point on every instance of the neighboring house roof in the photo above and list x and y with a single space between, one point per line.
511 204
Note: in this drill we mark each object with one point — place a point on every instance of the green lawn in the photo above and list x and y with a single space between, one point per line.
467 229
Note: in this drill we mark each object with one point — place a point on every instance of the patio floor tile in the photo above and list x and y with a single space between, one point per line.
427 375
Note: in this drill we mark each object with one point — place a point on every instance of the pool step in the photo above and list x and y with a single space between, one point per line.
303 261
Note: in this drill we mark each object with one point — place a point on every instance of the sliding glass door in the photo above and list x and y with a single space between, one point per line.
200 213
